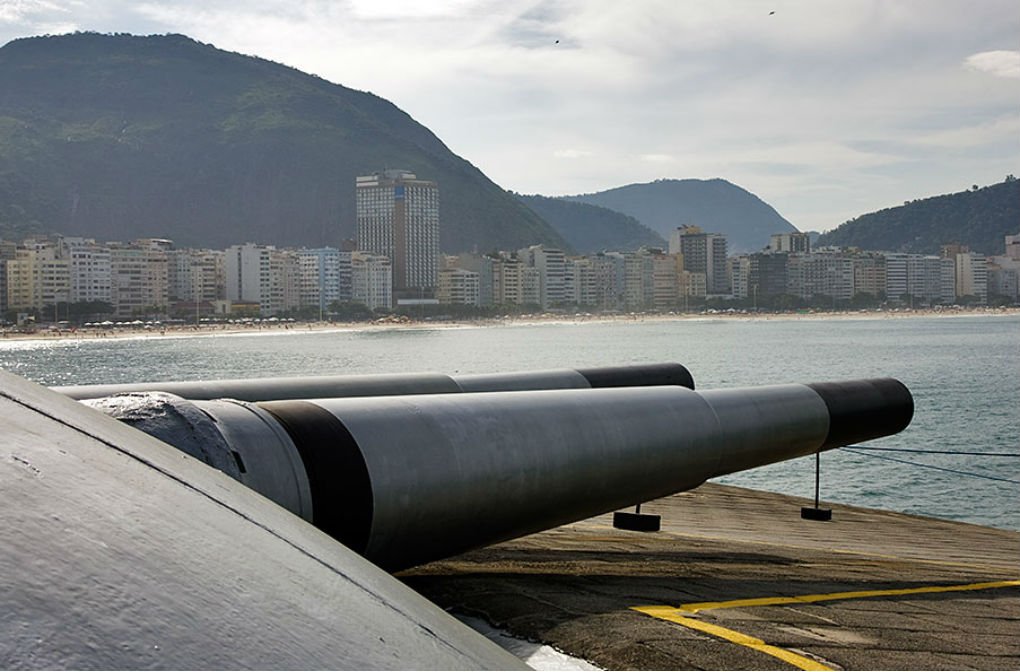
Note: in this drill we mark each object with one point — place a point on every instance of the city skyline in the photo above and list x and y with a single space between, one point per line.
824 111
154 278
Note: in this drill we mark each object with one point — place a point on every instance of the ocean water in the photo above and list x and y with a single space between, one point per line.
964 373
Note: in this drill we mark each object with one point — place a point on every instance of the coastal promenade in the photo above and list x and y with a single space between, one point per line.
737 580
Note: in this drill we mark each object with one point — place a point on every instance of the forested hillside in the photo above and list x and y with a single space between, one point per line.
717 206
978 218
119 137
590 229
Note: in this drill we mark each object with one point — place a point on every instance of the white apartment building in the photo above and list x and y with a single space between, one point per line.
1004 277
972 276
515 283
458 286
637 293
196 275
371 280
139 279
665 278
506 281
248 273
91 269
692 285
484 266
551 265
584 282
37 277
285 289
264 275
870 275
919 278
325 276
830 275
740 271
610 277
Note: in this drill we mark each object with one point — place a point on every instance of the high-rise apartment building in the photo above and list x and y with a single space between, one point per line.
869 275
767 275
458 286
325 276
38 277
740 272
972 276
484 266
398 217
91 269
703 253
264 275
551 265
196 275
814 275
584 282
919 278
139 278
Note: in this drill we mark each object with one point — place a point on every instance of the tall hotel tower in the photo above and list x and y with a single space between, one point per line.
398 216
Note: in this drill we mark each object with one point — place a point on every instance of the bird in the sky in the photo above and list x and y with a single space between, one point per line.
772 12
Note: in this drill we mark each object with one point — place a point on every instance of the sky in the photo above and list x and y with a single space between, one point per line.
825 109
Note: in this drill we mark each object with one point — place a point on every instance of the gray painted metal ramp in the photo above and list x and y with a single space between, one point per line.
118 551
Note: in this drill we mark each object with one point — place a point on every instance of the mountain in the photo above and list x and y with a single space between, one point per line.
590 228
979 218
119 137
717 206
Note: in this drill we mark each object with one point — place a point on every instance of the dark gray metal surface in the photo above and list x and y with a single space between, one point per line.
260 389
773 423
328 387
557 379
120 552
451 472
409 479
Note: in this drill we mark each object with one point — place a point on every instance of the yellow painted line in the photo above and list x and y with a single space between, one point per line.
695 607
671 614
681 615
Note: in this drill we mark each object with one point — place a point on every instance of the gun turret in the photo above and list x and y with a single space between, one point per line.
408 479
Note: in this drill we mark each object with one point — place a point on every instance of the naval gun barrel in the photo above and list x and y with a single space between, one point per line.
323 387
404 480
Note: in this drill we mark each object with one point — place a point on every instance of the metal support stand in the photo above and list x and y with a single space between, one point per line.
815 513
637 521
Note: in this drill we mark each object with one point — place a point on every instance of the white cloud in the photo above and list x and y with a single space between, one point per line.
571 153
998 63
658 158
1003 130
408 9
27 11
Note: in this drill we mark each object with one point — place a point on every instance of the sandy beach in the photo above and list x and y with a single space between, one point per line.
268 327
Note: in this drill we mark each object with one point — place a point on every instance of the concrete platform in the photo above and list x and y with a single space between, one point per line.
737 580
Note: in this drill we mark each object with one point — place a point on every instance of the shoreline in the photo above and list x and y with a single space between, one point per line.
391 323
